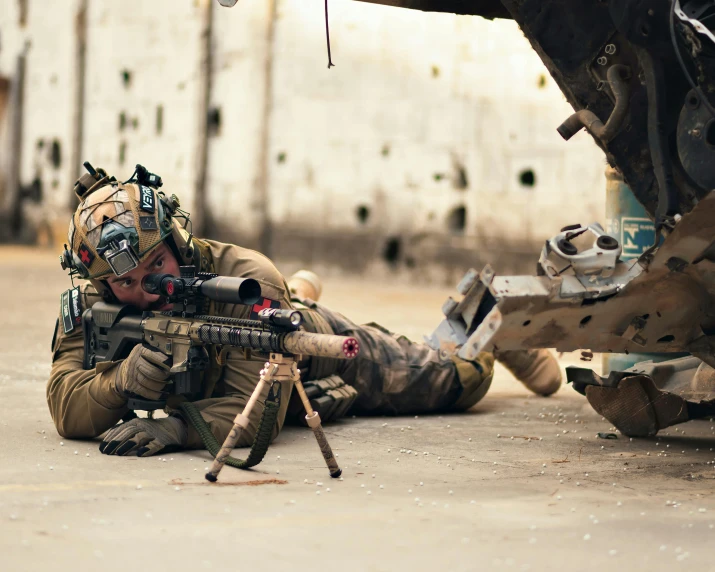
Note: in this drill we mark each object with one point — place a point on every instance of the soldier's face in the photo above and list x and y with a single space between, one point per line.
127 288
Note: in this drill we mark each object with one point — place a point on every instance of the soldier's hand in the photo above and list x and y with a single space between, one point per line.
144 372
145 437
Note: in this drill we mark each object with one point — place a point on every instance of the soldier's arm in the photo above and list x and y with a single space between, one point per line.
83 403
240 376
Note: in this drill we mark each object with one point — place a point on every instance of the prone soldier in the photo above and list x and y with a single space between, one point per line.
121 232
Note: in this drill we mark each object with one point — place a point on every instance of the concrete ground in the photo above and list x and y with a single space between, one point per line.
518 483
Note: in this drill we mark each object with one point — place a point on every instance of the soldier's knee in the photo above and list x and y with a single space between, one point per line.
475 376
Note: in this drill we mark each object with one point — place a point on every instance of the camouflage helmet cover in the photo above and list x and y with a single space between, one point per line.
114 213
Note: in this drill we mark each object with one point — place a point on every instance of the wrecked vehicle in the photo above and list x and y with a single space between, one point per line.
640 75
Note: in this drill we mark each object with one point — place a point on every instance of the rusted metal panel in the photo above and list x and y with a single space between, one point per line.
666 304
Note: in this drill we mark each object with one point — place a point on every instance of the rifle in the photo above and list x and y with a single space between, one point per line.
184 332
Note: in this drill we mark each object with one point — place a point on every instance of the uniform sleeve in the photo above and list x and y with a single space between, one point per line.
83 403
240 376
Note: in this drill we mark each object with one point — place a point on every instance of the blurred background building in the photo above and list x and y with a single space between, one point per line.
430 147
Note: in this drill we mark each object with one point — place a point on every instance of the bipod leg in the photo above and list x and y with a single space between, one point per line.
239 424
313 419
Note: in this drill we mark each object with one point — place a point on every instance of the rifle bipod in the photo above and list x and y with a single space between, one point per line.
277 369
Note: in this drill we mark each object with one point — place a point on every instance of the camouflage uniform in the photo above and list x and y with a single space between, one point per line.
395 376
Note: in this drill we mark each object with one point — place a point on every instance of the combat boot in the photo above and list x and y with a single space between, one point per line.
537 369
305 284
475 376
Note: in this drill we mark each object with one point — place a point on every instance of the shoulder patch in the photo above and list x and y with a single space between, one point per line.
70 310
263 304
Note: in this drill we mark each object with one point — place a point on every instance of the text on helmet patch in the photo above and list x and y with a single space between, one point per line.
147 199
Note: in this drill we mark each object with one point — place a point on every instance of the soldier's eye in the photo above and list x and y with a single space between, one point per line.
127 283
159 263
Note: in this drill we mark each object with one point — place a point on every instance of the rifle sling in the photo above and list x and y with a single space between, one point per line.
260 442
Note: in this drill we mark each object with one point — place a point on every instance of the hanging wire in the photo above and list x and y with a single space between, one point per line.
327 35
678 55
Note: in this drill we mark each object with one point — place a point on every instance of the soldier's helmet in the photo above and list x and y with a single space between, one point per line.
117 225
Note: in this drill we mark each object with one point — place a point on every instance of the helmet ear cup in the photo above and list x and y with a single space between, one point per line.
66 260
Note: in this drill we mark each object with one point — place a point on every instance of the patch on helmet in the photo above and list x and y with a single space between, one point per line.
85 255
263 304
71 310
146 202
148 223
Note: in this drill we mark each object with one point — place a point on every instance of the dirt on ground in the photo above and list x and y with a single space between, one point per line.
519 482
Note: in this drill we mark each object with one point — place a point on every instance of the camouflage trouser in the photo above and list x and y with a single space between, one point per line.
394 375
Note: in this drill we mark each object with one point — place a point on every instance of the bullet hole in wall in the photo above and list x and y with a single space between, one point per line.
542 81
527 178
410 262
122 121
213 121
385 150
159 119
460 177
457 219
392 250
40 143
281 157
362 213
435 71
56 154
126 76
135 122
22 16
438 177
122 152
33 192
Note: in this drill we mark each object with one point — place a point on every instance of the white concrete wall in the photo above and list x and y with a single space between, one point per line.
157 43
414 97
48 33
238 91
434 89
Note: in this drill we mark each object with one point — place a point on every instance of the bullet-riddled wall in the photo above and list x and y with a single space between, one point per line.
41 34
432 140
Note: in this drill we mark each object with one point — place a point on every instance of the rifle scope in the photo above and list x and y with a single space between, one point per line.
227 289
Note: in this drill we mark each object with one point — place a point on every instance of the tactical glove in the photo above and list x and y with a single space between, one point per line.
144 372
145 437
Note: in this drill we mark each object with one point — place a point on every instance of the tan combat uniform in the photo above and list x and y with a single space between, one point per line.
391 374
